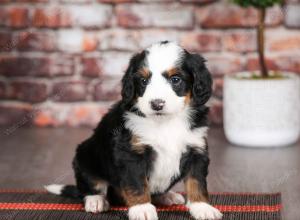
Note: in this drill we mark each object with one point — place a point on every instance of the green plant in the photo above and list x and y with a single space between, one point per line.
261 6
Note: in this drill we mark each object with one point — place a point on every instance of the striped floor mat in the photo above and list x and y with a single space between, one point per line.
31 205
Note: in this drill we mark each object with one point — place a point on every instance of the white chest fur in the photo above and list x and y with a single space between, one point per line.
169 138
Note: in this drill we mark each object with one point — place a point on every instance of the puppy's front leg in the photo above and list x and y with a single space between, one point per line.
196 189
139 201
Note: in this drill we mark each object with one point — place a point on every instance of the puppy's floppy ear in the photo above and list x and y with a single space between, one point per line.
128 87
202 80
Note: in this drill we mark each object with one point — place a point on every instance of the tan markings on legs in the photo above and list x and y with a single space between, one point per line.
132 197
195 193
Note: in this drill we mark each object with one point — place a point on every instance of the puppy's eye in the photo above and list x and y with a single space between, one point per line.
175 80
144 81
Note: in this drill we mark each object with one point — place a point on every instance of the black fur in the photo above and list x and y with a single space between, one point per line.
130 79
107 155
202 86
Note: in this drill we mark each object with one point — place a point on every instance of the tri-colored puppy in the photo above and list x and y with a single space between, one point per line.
149 140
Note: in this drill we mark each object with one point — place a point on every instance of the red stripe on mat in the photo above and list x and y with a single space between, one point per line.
76 207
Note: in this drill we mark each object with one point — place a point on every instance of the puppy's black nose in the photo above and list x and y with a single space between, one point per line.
157 104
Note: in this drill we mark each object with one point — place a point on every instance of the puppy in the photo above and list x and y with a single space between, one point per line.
149 140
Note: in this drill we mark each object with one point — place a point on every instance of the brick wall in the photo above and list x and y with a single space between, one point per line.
61 60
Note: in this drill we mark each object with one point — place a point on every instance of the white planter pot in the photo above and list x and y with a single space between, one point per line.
262 113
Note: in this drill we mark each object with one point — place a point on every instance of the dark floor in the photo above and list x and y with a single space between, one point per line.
30 158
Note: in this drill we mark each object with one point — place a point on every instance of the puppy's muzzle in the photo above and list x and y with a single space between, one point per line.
157 104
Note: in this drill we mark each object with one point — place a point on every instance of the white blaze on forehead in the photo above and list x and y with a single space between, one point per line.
162 57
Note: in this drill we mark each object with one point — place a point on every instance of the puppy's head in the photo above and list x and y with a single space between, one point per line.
164 79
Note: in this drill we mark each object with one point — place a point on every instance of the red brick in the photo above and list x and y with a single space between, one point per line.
114 63
253 64
14 116
32 1
36 66
115 1
226 16
218 87
97 16
2 90
220 65
76 41
151 36
27 91
216 112
18 17
76 1
77 114
223 16
283 41
117 39
77 25
53 17
36 41
45 118
107 90
240 41
92 66
70 91
199 1
290 63
139 15
157 0
21 66
3 16
275 16
134 40
6 41
201 42
89 43
63 65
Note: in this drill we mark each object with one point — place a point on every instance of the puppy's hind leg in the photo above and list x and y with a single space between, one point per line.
92 191
97 201
169 198
196 189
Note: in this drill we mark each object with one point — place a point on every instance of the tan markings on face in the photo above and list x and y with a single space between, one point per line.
172 72
187 98
136 145
194 191
144 72
132 197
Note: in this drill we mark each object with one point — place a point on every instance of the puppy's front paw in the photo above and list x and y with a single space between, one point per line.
145 211
169 198
95 203
202 210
